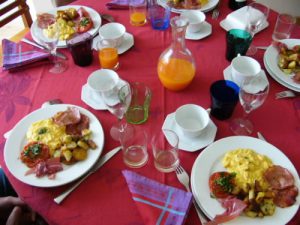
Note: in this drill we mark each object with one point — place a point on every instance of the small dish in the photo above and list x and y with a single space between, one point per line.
228 76
191 144
92 99
205 31
127 43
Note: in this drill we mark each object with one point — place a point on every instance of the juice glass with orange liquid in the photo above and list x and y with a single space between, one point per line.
138 12
108 55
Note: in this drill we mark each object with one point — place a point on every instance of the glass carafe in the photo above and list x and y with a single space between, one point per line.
176 66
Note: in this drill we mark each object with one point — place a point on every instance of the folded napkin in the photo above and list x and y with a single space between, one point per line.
119 4
16 55
158 203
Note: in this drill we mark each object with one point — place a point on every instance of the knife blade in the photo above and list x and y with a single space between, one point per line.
98 164
58 54
260 136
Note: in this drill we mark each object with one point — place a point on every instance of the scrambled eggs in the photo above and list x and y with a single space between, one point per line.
249 167
66 29
47 132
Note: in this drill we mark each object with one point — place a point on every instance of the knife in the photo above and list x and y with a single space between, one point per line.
58 54
261 137
98 164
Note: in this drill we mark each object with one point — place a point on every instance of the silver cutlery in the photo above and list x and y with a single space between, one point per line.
261 137
98 164
216 11
58 54
262 47
108 17
45 104
285 94
184 179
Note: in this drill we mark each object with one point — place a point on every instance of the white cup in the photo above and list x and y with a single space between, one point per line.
112 32
243 67
191 119
102 80
195 18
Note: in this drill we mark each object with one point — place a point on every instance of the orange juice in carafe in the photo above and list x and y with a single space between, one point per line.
175 74
176 66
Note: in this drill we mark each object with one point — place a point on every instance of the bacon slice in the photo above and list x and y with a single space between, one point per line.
234 207
70 116
45 19
76 129
278 177
286 197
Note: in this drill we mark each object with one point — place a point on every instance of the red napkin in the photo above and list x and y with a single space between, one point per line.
158 203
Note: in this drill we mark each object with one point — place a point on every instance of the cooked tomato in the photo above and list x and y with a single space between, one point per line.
84 25
221 184
33 153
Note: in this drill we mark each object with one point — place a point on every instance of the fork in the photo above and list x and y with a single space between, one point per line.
184 179
216 11
285 94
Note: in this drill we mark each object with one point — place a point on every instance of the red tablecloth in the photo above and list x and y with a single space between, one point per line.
104 197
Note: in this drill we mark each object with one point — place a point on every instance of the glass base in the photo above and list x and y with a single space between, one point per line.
59 67
241 126
251 50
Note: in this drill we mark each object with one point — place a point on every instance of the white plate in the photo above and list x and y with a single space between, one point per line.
191 144
62 44
209 6
204 32
271 64
228 76
209 161
238 20
127 43
17 140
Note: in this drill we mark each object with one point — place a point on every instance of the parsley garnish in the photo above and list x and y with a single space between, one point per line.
225 182
42 130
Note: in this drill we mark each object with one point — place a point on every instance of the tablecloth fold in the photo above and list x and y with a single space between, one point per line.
158 203
16 55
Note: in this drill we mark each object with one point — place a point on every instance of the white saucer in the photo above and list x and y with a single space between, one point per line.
190 144
227 74
91 99
127 43
204 32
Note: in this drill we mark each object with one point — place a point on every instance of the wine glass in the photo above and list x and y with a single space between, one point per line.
253 92
257 15
117 100
49 38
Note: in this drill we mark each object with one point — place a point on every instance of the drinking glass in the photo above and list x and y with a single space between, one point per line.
253 92
49 38
257 15
117 100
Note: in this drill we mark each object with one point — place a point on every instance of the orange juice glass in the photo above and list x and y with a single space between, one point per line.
138 12
108 54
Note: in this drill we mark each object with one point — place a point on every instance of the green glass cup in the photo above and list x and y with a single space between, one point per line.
237 42
138 111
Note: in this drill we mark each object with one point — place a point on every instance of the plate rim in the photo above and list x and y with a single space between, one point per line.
44 181
63 44
240 142
163 3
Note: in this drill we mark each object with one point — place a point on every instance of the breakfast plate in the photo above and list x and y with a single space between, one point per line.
35 30
190 144
204 32
127 43
209 161
17 140
271 64
207 7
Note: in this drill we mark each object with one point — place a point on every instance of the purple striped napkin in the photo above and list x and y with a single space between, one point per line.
119 4
16 55
158 203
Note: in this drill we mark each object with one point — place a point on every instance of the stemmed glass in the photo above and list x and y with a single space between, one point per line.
49 38
257 15
117 100
253 92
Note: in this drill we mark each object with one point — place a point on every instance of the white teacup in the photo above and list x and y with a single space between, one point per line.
195 18
112 32
102 80
191 119
243 67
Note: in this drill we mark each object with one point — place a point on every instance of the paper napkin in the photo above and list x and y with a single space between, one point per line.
16 55
118 4
158 203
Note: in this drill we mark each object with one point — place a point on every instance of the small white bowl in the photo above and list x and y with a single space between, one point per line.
102 80
195 18
191 119
113 32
